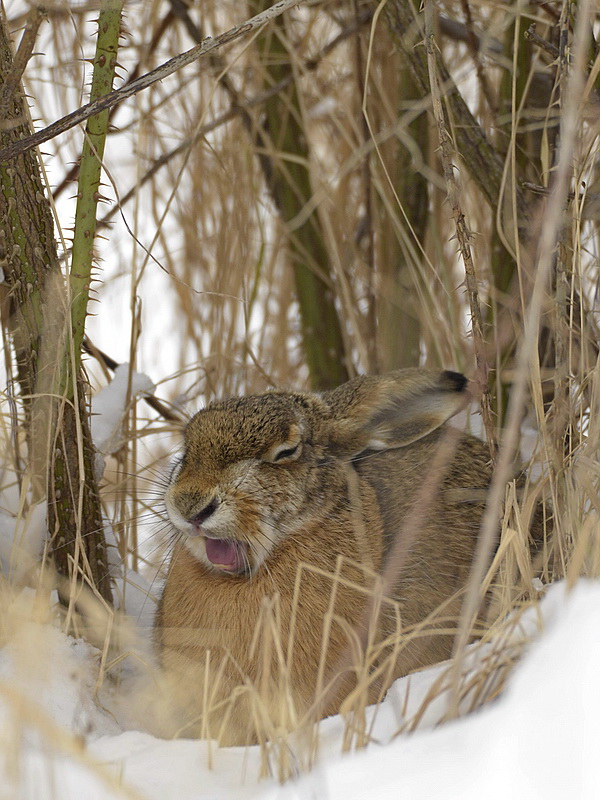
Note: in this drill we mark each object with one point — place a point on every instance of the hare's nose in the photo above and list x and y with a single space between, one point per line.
202 515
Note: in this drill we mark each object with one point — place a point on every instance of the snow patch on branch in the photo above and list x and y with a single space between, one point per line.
110 405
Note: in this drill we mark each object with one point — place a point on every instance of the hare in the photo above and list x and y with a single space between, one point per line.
287 506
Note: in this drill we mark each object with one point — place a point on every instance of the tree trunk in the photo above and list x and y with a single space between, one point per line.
285 152
61 453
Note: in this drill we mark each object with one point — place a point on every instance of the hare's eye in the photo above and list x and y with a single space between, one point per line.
285 453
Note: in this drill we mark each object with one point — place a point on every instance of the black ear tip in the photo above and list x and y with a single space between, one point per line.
454 381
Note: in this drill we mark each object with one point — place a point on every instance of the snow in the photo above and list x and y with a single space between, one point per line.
538 740
23 530
63 690
22 538
109 407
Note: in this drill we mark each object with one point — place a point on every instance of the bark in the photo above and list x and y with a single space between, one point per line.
61 453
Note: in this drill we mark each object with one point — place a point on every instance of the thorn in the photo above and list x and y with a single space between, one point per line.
99 198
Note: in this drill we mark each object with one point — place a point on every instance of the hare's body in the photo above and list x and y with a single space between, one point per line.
329 481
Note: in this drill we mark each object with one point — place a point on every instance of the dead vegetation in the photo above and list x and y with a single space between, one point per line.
354 188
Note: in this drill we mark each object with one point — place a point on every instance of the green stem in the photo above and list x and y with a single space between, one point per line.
285 158
88 186
399 327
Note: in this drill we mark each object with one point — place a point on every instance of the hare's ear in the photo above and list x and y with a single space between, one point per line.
392 410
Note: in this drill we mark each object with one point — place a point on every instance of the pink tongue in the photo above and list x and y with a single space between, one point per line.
225 553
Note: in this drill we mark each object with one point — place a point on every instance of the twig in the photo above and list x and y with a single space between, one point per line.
463 234
160 73
536 39
481 158
588 203
461 33
473 44
550 9
22 56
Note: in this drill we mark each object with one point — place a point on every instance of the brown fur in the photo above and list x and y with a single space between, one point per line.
366 451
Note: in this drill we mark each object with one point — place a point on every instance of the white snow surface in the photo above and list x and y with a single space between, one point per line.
62 688
538 740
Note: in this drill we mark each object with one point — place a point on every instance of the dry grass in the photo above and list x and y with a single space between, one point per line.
195 286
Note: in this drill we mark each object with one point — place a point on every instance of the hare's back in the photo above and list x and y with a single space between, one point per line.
431 494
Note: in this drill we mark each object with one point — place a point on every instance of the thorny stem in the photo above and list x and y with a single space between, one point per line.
60 452
74 503
463 234
88 187
12 81
159 32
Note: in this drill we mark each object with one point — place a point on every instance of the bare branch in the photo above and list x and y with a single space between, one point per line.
236 110
459 32
532 36
160 73
22 56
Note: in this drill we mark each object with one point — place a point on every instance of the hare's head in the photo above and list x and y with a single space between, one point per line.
255 470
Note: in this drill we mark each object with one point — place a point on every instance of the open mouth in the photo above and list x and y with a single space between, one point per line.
229 555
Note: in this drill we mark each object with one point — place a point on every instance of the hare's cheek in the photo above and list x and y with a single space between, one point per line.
282 491
175 468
